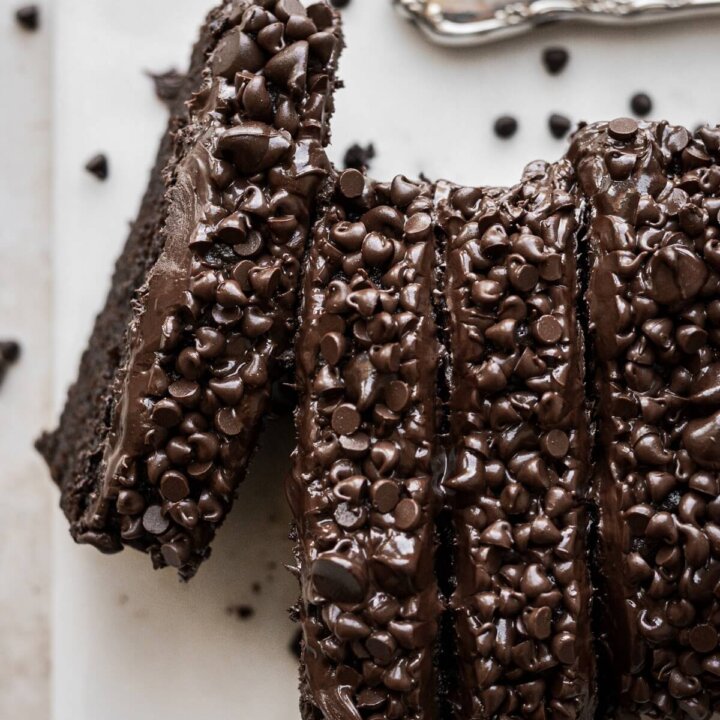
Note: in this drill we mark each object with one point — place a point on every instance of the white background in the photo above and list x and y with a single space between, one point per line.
127 642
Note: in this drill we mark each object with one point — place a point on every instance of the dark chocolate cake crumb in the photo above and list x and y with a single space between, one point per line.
359 157
256 588
295 645
98 166
505 126
28 17
641 104
559 125
9 353
242 612
555 59
168 85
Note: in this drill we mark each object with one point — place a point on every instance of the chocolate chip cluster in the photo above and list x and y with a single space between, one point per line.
519 441
654 302
207 344
362 489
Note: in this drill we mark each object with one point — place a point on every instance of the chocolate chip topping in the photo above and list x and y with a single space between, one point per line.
654 322
217 310
520 443
362 487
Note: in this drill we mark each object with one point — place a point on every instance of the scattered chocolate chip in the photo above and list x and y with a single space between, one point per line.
340 3
9 353
559 125
167 85
505 126
98 166
359 157
28 17
242 612
641 104
555 59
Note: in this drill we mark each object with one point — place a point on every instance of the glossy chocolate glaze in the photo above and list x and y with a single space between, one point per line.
654 241
518 449
362 488
217 309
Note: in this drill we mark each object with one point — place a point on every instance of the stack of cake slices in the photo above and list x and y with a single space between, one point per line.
506 486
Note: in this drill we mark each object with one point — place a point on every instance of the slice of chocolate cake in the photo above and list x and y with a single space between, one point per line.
362 489
159 428
654 298
519 449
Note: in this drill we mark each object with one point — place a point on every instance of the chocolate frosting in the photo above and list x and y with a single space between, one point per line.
217 309
653 240
362 489
519 449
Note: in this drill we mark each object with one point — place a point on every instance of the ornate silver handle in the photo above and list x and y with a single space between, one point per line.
473 22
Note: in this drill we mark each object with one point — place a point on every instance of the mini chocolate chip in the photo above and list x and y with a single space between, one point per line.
623 129
28 17
548 329
340 3
407 514
555 59
175 553
703 638
556 444
167 85
174 486
345 419
505 126
98 166
154 521
559 125
9 351
641 104
359 157
352 183
335 580
385 495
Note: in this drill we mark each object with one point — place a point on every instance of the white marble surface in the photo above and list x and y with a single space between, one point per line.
127 642
25 494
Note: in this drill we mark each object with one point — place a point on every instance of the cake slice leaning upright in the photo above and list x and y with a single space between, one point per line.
518 449
363 491
653 192
158 430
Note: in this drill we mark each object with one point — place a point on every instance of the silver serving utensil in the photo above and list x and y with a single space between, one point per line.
474 22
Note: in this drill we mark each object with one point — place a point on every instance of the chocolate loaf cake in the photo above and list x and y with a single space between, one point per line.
519 443
159 428
362 488
654 300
